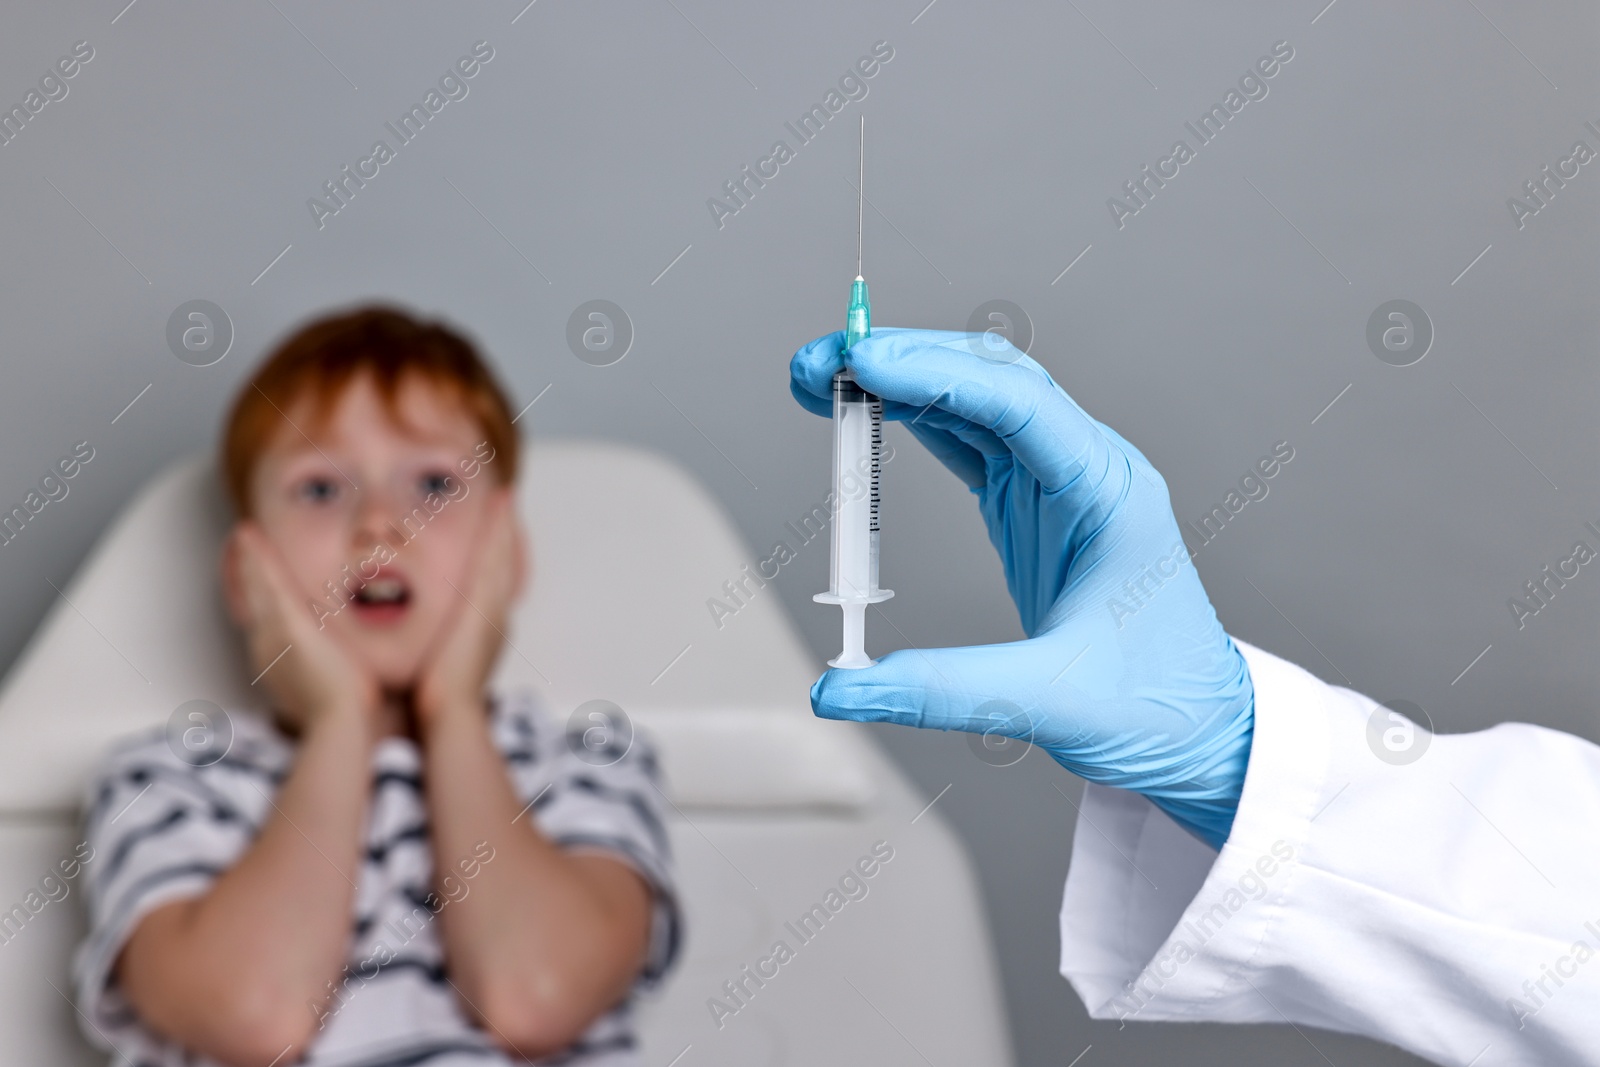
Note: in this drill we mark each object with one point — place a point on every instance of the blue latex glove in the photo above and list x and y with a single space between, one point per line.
1126 677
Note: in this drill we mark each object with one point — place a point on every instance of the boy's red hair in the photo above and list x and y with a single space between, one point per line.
324 356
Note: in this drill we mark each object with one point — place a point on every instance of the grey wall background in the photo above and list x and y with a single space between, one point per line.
1224 317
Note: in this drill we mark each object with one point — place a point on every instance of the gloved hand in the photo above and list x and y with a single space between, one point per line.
1126 677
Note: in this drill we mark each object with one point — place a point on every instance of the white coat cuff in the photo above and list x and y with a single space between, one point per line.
1154 922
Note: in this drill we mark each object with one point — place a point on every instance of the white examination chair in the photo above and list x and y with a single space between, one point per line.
770 805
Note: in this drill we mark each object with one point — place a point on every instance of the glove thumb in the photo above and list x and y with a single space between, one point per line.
975 689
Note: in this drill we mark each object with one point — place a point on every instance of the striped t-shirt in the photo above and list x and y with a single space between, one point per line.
163 829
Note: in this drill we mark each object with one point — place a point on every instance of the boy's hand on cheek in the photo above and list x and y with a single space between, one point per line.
453 678
304 665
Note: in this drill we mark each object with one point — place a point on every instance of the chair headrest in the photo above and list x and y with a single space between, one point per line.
627 551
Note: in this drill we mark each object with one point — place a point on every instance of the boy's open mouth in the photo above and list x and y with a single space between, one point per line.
382 599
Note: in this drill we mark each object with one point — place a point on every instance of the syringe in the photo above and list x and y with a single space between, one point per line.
857 463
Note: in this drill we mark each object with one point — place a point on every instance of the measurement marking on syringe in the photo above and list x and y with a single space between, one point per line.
876 409
857 452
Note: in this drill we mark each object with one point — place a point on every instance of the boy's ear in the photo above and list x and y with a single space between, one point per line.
232 579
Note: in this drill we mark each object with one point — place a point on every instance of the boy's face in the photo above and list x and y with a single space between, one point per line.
399 542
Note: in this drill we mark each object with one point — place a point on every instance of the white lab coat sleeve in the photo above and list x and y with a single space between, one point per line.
1447 905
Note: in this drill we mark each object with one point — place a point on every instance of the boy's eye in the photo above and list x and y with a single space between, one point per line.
317 490
436 482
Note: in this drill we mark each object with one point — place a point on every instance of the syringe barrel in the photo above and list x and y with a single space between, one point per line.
857 464
857 461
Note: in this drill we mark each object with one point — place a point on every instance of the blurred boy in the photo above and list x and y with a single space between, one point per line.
395 866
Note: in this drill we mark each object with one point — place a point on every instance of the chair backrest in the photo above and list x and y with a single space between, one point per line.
627 551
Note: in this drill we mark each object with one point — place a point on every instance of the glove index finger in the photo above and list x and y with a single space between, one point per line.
812 368
1018 401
